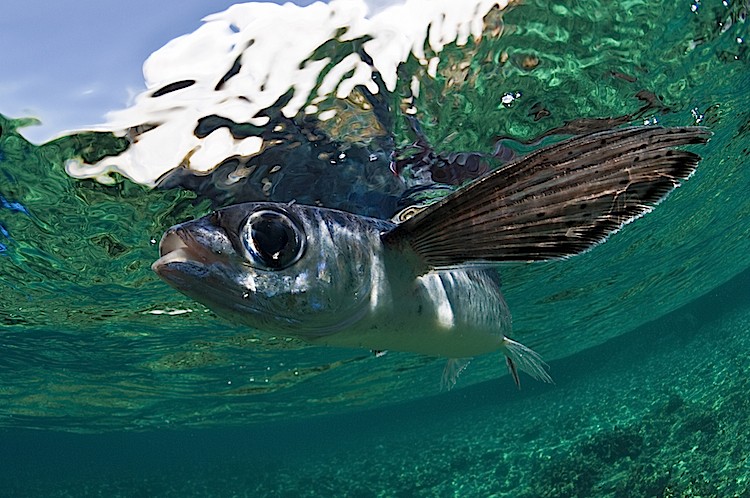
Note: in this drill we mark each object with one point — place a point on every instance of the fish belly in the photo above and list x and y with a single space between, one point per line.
452 314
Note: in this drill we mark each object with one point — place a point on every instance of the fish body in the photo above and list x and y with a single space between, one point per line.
346 288
425 285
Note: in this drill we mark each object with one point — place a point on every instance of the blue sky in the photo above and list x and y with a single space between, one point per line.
68 63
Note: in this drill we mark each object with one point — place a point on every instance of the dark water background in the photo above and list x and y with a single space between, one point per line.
646 335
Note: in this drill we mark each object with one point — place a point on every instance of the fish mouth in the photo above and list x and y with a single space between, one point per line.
179 246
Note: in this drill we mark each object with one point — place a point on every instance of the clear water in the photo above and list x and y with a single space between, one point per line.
105 391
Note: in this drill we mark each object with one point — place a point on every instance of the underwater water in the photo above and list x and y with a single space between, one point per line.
113 384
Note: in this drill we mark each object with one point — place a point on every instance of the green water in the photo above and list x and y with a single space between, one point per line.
193 405
659 411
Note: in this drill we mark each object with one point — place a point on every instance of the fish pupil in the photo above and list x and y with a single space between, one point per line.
273 240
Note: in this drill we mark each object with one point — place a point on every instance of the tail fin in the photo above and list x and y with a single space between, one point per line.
558 201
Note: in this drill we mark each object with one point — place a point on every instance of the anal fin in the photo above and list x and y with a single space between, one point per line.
451 372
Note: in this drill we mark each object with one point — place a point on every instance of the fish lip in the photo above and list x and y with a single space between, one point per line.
178 246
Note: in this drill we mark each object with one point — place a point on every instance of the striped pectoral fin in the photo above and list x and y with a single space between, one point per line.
558 201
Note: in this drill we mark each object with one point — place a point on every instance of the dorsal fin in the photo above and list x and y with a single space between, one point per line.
555 202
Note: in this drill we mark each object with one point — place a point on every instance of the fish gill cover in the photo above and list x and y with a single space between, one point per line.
93 341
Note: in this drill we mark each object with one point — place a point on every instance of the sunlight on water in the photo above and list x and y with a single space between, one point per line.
252 57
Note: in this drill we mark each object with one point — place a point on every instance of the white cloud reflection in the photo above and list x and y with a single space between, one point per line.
69 63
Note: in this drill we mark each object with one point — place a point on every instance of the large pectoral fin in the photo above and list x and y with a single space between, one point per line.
558 201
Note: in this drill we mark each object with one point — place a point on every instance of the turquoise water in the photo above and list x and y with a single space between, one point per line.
659 411
645 335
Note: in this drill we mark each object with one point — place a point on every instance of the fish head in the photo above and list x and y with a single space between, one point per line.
291 270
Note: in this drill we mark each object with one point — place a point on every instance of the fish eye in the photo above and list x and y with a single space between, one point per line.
272 240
